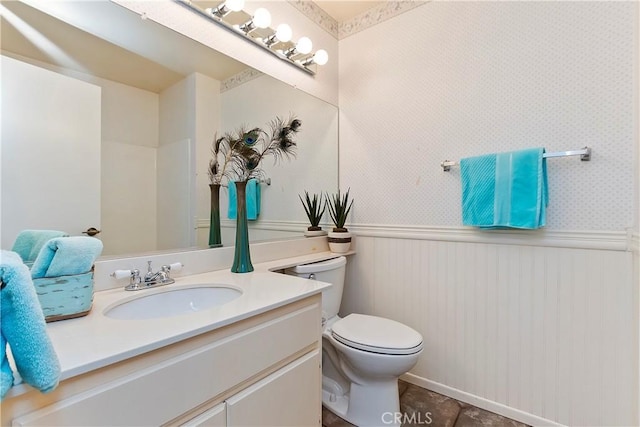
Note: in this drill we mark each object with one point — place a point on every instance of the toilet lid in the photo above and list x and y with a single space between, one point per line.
377 335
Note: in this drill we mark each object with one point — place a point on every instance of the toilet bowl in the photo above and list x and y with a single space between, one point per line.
362 355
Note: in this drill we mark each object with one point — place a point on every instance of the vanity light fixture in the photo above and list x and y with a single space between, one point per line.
226 7
256 28
320 57
261 19
283 34
300 50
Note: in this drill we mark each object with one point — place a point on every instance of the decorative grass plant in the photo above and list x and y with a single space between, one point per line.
314 208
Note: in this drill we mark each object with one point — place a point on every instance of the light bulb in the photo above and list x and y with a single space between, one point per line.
284 33
262 18
304 45
321 57
234 5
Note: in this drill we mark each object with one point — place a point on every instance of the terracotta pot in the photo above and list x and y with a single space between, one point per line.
339 241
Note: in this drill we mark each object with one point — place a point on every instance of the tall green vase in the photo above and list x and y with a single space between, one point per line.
242 256
215 236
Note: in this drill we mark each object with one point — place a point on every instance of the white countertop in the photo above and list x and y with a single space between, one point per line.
94 341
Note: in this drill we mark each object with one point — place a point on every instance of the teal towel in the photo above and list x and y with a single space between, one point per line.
253 197
505 190
29 242
24 329
66 256
233 202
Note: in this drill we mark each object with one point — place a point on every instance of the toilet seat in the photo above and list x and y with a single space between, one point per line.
376 335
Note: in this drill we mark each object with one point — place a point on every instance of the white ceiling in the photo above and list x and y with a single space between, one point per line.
344 10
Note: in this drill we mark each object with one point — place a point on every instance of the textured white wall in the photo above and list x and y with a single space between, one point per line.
542 334
453 79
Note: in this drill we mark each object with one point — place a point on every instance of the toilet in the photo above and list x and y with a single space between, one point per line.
362 355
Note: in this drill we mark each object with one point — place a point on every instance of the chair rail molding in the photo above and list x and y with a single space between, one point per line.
580 239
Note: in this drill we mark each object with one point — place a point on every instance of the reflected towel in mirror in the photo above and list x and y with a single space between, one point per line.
253 195
29 242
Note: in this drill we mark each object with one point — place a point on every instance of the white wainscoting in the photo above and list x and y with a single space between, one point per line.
542 334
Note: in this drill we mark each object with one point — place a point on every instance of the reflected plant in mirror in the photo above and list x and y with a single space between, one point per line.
314 207
217 171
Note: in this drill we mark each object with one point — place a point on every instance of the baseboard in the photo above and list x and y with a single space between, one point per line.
488 405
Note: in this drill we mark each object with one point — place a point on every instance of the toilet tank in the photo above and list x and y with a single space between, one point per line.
329 271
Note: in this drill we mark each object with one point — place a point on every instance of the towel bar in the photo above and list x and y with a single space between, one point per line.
584 153
261 181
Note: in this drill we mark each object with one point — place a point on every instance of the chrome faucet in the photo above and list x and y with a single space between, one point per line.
150 279
160 276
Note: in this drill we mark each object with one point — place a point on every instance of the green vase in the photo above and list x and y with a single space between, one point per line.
242 256
215 237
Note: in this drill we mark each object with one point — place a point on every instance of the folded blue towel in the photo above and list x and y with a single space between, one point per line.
253 198
23 327
66 256
505 190
29 242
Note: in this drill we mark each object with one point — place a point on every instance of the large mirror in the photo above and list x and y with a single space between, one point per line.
107 122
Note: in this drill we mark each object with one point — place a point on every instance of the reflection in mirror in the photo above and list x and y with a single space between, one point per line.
108 127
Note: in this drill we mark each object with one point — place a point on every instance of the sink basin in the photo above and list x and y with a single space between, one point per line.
173 302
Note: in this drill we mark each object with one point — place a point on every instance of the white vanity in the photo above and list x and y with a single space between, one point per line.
255 360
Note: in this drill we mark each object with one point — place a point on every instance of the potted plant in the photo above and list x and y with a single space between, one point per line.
339 207
314 208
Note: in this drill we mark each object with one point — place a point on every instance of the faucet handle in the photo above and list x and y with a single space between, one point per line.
176 266
121 274
168 268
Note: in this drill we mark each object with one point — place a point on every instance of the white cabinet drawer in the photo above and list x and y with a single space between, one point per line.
214 417
164 391
284 398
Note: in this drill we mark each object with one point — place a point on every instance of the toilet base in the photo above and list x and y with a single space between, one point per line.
372 405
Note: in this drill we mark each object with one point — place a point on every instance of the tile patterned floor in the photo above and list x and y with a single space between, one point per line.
442 411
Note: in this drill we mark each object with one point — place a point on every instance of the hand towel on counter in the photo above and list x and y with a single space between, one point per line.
253 197
29 242
505 190
23 328
66 256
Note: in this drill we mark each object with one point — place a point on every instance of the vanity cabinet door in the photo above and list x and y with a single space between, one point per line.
288 397
214 417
